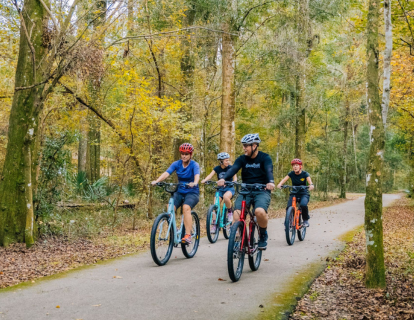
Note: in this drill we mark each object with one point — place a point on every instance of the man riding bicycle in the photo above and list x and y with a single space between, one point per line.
188 173
299 177
225 193
257 167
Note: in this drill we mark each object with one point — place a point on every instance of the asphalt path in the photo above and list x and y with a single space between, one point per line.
135 288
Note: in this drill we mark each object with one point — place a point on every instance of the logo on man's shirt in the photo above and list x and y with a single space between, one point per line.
253 165
303 179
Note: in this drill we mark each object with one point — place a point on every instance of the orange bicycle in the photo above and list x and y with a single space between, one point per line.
293 220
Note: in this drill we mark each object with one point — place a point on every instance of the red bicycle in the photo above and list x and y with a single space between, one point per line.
242 239
293 220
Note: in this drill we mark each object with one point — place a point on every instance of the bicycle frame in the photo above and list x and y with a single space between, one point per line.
173 224
220 213
252 223
297 213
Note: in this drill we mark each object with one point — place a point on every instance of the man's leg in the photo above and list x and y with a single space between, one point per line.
261 203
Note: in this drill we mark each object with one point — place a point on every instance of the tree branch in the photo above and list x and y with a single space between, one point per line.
121 136
32 50
166 33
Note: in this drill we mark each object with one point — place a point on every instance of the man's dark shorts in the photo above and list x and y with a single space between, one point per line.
258 199
190 199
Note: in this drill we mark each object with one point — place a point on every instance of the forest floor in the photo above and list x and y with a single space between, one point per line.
339 292
53 255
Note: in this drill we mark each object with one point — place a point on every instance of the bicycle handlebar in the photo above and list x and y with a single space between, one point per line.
165 185
226 183
295 188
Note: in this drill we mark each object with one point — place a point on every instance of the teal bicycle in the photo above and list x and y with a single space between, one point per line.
216 218
165 235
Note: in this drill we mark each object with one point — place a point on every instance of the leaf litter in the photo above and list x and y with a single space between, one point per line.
339 293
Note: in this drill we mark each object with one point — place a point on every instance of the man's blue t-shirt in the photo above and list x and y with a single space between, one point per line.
185 175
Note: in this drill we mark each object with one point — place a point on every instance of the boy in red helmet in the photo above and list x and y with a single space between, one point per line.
299 177
188 172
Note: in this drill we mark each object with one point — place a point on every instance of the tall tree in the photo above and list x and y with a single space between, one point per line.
93 153
375 269
23 124
304 47
228 102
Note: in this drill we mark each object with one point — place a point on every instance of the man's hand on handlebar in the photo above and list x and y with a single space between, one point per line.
191 185
154 182
221 182
279 186
270 186
311 187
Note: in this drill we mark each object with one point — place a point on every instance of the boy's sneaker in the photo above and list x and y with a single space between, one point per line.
263 241
305 224
230 215
213 227
186 239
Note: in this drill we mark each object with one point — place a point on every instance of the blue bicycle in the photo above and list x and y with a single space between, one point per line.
216 218
165 235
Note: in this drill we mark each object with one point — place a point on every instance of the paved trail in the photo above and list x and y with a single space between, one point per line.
184 289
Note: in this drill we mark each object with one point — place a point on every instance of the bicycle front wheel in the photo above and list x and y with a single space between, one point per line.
189 250
161 242
212 224
290 229
302 230
235 252
256 256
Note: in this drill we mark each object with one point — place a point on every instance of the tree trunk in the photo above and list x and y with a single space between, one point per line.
93 163
387 61
29 234
93 153
24 118
83 145
304 47
375 269
228 104
342 173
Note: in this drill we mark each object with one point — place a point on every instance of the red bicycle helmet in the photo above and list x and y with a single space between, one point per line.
296 161
186 148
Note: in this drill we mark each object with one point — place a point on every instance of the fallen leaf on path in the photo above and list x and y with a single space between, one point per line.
96 305
117 277
220 279
57 307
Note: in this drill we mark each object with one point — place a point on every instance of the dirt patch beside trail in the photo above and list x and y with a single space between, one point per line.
339 293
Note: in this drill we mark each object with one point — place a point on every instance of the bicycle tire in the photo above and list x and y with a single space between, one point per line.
212 237
159 258
290 229
256 258
189 251
302 230
234 252
227 227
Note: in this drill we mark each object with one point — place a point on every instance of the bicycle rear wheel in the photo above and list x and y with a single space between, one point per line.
161 245
227 226
210 226
256 257
290 229
302 230
189 250
235 252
